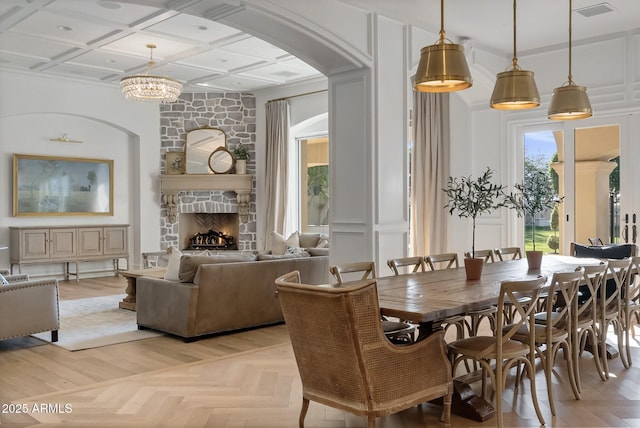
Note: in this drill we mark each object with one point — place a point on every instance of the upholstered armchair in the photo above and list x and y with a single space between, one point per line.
346 362
28 307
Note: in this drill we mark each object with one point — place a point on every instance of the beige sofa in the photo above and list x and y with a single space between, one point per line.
217 294
28 307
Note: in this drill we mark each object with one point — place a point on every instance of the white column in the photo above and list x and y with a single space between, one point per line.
368 154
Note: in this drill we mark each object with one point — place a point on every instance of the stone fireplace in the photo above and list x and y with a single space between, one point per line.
235 114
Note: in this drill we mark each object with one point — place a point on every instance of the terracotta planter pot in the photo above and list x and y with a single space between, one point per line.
534 258
473 267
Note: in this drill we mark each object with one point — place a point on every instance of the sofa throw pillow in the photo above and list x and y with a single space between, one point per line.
317 251
322 243
279 244
309 240
297 251
3 280
173 266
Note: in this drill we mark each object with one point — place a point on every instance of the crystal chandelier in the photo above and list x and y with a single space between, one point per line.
153 89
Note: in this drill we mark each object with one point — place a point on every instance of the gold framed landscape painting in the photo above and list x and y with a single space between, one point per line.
61 186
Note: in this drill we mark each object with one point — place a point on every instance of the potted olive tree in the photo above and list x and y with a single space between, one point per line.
241 155
531 197
468 198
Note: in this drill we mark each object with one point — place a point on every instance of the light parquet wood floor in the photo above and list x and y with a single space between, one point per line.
247 379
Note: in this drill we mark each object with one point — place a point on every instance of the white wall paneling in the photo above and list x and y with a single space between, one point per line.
351 152
391 197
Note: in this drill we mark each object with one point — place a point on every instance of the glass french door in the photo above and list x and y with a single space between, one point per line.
594 161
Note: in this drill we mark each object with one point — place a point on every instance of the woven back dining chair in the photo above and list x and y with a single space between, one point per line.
499 353
442 261
487 255
630 311
344 359
553 328
488 313
508 253
609 309
353 271
399 332
585 322
407 265
449 261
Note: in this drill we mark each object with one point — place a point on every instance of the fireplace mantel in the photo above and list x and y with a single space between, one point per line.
170 185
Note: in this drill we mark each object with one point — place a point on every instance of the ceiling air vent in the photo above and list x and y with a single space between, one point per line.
596 9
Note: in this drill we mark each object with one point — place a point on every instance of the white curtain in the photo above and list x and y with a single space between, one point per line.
429 173
276 169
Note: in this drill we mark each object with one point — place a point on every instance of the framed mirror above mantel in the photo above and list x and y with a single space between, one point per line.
200 144
170 185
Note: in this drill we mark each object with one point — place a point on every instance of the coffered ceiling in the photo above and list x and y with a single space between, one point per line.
105 40
488 24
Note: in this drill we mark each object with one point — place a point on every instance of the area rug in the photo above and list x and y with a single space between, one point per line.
94 322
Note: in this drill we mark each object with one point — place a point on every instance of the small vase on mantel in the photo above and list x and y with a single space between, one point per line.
241 166
473 268
534 258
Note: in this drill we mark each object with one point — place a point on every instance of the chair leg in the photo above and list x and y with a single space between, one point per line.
54 335
602 343
568 351
371 421
548 368
497 389
620 335
575 350
528 364
446 408
303 412
627 337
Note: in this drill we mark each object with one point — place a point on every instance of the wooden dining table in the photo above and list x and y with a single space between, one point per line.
426 298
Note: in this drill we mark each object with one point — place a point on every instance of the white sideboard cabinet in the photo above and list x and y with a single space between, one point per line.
30 245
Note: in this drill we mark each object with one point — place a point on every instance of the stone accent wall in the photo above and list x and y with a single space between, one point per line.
235 114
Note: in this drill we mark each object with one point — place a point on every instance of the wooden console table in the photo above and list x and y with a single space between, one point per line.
129 302
69 244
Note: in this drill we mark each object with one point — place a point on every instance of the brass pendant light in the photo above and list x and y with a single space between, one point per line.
442 66
515 89
569 101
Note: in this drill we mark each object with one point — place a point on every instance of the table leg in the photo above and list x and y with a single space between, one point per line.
129 301
612 351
